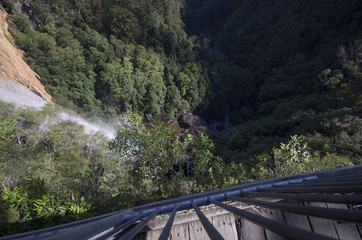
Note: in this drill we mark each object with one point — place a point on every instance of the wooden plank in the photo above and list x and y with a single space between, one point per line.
297 220
197 231
180 229
274 215
182 218
249 230
345 230
154 234
225 224
321 225
180 232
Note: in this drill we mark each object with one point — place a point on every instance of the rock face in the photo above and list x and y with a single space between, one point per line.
191 125
174 126
13 67
187 123
18 95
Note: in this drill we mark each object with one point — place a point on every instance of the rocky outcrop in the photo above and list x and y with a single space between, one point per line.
11 92
191 125
187 123
174 126
12 65
24 8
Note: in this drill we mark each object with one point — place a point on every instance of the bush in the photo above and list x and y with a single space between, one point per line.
295 157
32 206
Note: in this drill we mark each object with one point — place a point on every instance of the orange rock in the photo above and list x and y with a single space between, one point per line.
174 127
12 65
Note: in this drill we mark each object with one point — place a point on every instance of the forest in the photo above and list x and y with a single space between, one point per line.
288 75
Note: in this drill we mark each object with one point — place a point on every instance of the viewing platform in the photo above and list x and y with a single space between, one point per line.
319 205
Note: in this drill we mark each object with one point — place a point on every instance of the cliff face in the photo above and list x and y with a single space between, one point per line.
13 67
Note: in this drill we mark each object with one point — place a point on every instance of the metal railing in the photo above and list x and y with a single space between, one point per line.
314 187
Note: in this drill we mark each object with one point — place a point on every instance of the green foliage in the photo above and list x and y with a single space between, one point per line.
264 60
295 157
149 154
8 126
172 100
70 172
108 57
161 164
7 4
74 175
34 207
254 61
19 22
125 61
210 171
340 132
345 83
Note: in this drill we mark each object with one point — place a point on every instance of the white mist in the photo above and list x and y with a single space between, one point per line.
18 95
89 127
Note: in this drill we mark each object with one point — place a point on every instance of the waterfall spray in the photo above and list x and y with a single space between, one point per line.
20 96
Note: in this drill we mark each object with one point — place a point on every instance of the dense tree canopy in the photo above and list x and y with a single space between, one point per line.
271 87
276 69
52 172
108 57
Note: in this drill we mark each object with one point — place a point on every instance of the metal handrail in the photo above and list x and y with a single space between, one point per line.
346 199
291 187
275 226
336 214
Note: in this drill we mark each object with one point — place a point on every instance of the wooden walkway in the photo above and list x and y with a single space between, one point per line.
188 227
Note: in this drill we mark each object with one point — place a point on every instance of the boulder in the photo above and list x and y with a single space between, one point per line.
163 117
187 119
174 126
149 117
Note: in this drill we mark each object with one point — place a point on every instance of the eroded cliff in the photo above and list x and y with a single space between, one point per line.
12 66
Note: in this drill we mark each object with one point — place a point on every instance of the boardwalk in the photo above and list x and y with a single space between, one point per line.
188 227
312 206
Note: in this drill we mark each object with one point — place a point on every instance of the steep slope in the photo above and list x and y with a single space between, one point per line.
284 47
13 67
107 57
